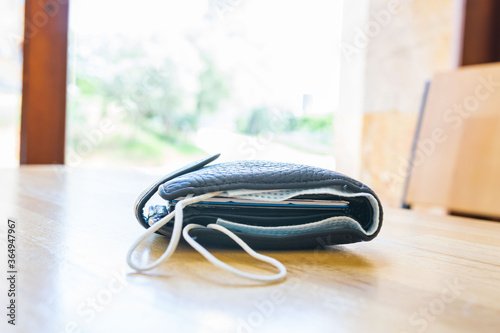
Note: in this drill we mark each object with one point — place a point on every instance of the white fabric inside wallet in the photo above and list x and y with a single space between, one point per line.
332 223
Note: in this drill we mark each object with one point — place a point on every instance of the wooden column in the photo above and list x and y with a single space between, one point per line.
481 32
43 113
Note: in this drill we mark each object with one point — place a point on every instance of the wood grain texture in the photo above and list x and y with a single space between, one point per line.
457 157
423 273
43 112
480 39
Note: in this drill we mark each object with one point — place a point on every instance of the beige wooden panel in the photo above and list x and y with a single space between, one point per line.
457 159
479 167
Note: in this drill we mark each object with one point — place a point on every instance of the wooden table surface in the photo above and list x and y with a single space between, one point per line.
423 273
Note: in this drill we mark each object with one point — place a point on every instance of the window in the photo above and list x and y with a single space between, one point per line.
159 82
11 32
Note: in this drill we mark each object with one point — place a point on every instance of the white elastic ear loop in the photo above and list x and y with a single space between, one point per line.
176 232
244 246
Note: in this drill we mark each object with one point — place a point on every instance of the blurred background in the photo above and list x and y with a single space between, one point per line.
154 85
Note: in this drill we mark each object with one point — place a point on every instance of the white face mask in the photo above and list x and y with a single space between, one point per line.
176 235
228 227
329 224
276 195
332 223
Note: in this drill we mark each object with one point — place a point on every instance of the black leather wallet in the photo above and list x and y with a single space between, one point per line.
269 205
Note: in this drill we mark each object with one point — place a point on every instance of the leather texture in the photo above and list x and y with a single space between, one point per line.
256 175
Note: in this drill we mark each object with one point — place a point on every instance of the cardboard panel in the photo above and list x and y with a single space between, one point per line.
457 159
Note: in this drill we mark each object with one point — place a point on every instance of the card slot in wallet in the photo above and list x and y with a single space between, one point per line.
291 203
356 208
205 216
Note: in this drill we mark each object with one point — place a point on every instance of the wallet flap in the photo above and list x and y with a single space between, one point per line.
256 175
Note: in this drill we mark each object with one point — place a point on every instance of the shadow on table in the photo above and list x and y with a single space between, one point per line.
321 262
